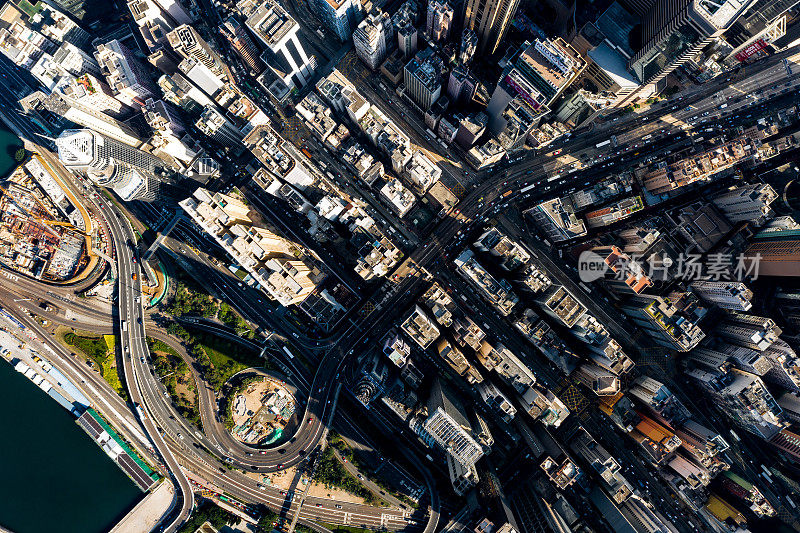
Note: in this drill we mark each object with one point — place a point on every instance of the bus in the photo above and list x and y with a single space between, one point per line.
307 153
604 143
288 352
528 188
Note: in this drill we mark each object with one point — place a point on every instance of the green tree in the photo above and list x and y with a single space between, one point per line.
19 155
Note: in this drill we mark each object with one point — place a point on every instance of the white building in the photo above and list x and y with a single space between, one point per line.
372 38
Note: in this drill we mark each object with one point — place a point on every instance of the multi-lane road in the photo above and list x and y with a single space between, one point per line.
158 417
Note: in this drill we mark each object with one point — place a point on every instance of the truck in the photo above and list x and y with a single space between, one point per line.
604 143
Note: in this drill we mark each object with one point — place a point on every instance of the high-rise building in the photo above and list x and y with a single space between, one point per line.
603 464
754 332
760 26
447 426
96 94
469 44
777 364
490 20
420 327
439 20
130 172
461 86
201 76
373 38
748 203
242 44
153 23
538 75
267 256
673 31
219 128
28 31
423 77
627 276
742 397
339 16
190 45
89 117
76 61
775 253
125 74
274 27
405 25
181 92
671 322
163 117
733 295
598 379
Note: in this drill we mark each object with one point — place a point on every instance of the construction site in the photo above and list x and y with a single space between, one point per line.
40 229
262 410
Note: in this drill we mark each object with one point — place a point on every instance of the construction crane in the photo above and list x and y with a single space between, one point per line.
45 223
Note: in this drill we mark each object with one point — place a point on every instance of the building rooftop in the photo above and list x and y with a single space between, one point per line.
420 328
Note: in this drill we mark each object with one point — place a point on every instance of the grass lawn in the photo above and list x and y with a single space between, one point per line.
226 356
101 351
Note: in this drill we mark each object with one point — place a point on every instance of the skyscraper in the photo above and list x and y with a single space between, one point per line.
89 117
675 30
274 27
125 74
188 44
490 20
373 37
242 44
219 128
448 427
439 20
754 332
469 43
742 397
130 172
777 253
339 16
748 203
423 77
264 254
538 75
726 294
405 24
671 322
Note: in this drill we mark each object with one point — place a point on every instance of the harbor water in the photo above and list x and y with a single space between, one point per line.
54 477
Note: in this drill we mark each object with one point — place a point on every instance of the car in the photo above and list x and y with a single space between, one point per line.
338 506
179 436
319 505
280 465
310 419
141 359
360 476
